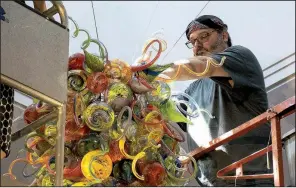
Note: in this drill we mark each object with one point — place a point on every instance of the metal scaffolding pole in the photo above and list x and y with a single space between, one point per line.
60 114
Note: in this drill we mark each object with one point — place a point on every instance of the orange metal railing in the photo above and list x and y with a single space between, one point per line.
274 115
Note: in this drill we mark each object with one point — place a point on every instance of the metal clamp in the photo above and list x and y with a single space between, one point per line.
59 8
271 112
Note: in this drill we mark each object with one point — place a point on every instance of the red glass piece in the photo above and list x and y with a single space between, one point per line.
76 61
97 82
114 151
73 132
73 172
30 114
154 174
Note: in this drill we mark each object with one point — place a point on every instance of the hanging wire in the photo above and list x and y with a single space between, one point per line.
95 20
146 30
184 33
151 17
92 4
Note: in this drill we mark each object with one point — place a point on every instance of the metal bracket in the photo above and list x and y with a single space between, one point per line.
271 113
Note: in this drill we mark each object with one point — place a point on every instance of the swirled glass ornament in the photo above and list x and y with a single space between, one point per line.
160 94
74 132
31 114
153 120
118 95
140 85
114 151
76 61
122 170
76 80
172 129
98 116
178 170
73 170
170 112
118 71
145 65
169 146
154 174
35 111
97 82
43 137
50 131
158 35
151 172
131 131
149 117
48 180
92 142
96 165
43 108
192 108
121 124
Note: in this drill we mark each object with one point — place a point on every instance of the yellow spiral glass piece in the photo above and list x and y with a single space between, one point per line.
122 150
96 165
138 156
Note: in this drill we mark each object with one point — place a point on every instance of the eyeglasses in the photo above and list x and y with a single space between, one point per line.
204 37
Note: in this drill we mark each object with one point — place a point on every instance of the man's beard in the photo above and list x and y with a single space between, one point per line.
214 48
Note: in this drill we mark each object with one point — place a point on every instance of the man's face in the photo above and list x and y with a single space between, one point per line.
206 41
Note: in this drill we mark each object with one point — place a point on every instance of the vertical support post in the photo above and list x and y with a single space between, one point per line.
59 158
239 170
277 157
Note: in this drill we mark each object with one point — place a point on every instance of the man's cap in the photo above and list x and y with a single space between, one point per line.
204 22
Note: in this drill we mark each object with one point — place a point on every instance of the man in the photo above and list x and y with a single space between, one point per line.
233 93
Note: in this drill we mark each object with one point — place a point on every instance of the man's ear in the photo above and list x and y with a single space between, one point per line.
225 36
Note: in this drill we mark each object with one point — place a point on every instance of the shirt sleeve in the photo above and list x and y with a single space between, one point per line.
243 68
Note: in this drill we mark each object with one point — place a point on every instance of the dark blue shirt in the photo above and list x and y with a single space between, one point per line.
231 106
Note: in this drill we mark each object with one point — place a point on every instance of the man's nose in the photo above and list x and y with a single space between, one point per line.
197 46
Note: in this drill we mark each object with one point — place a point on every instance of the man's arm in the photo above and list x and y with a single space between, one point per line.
200 67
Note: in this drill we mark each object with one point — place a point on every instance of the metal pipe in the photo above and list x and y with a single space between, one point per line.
278 62
32 92
238 165
50 12
34 125
280 82
62 12
60 146
283 67
277 157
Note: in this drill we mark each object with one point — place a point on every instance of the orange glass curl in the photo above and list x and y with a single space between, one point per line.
150 117
145 65
118 71
97 82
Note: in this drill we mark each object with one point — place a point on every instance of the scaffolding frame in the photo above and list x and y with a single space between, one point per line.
59 114
274 115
